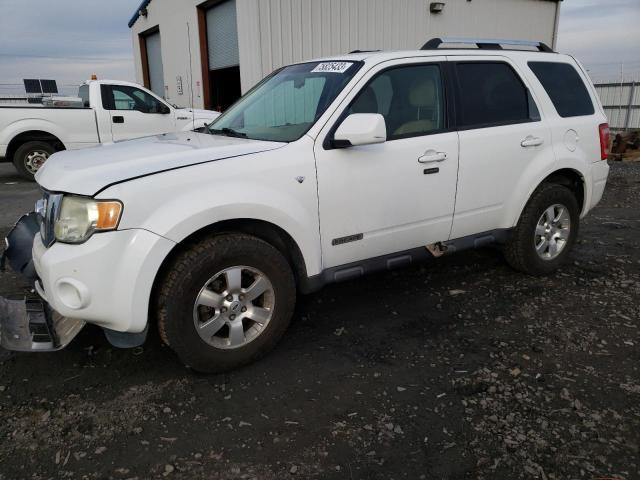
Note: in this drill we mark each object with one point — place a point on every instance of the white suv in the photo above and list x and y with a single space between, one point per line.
325 171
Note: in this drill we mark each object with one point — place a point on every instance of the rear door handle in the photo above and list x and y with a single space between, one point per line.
431 156
118 119
531 141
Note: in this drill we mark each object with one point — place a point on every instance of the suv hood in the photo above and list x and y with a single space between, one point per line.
87 171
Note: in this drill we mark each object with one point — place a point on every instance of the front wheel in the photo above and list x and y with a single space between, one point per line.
225 301
546 231
30 156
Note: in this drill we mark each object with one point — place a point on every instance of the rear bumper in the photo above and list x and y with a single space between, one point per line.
599 175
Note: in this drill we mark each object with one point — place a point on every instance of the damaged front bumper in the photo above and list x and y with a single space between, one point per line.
30 324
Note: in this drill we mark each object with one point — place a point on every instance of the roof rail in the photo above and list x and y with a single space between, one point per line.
363 51
486 43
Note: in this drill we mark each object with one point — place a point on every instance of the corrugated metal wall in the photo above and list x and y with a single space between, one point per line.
273 33
621 102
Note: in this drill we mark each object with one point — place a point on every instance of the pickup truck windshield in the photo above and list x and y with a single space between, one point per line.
285 105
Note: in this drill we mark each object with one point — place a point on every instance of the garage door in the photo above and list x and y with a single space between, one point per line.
154 59
223 56
222 36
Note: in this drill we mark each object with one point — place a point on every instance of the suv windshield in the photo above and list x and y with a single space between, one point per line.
285 105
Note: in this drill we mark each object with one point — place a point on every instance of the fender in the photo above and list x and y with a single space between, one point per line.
255 187
524 194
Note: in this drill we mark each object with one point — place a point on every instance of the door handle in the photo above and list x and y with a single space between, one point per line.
531 141
118 119
431 156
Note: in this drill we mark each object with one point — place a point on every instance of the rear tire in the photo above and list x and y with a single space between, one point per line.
545 234
30 156
205 305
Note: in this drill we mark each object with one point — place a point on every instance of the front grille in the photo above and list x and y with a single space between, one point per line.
48 210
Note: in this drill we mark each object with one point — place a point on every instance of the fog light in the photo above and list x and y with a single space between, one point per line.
72 293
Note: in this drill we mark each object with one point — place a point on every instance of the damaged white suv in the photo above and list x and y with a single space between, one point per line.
325 171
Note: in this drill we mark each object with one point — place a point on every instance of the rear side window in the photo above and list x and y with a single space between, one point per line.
565 88
491 93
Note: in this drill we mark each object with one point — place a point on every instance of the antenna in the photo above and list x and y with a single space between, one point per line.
193 115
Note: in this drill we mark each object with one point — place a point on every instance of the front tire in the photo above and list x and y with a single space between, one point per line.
30 156
225 301
546 232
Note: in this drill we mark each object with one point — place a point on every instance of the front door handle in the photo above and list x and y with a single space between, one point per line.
431 156
531 141
118 119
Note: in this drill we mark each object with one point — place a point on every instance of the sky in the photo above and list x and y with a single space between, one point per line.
68 40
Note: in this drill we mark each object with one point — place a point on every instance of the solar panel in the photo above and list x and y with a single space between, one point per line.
49 86
32 85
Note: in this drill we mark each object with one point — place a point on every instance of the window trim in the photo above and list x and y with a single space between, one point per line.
546 91
449 110
458 90
106 90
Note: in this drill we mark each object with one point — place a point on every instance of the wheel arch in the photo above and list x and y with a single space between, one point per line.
568 177
264 230
30 136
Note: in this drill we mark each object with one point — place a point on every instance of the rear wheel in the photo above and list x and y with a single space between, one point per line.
30 156
546 231
225 302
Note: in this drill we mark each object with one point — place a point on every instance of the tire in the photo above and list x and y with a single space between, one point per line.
521 250
204 272
30 156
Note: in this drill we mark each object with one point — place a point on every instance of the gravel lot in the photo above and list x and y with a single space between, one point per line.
458 369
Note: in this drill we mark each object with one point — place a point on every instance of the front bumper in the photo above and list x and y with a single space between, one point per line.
30 325
106 281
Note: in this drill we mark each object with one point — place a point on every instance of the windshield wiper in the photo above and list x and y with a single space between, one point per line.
229 132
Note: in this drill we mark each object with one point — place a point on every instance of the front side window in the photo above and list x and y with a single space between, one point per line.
284 106
410 99
131 98
565 88
491 93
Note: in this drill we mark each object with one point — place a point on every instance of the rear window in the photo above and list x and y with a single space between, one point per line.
491 93
565 88
83 93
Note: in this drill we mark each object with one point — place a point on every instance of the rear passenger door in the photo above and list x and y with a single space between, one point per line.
502 142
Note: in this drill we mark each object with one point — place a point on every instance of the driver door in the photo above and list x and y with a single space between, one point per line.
385 198
135 113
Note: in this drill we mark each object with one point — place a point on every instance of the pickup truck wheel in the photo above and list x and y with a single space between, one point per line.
546 231
30 156
225 301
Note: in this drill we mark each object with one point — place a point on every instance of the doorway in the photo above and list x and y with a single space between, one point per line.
220 57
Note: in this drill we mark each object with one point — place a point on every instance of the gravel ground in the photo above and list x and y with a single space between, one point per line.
458 369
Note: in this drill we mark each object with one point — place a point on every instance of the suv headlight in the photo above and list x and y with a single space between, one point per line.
80 217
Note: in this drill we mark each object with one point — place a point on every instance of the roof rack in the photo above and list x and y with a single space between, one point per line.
486 43
363 51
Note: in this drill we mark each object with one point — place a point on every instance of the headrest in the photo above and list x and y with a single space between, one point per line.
422 93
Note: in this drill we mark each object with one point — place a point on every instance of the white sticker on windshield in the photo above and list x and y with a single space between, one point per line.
332 67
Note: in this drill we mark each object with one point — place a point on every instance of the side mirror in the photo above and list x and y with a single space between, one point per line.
361 129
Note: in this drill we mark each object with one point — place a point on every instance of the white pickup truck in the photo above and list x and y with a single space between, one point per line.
109 111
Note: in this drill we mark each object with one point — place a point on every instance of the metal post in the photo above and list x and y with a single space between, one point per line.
632 91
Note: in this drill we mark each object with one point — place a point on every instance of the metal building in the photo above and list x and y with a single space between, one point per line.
621 102
208 53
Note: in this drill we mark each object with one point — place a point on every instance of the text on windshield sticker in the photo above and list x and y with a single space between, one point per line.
332 67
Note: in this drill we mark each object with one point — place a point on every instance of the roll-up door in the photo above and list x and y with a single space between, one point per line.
154 60
223 55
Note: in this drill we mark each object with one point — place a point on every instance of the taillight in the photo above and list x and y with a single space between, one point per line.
604 141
